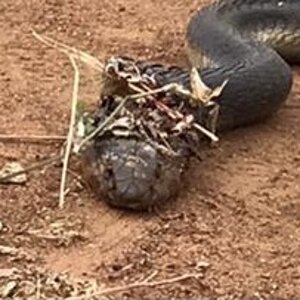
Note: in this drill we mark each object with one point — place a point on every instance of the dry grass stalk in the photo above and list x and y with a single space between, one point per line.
102 125
82 56
33 167
69 144
32 138
140 284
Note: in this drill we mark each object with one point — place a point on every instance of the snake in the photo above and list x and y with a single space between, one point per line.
251 44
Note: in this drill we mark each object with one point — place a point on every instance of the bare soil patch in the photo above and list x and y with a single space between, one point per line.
238 222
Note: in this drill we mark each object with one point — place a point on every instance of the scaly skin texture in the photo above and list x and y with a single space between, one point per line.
243 41
131 174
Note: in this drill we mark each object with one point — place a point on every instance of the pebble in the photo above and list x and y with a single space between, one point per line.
9 289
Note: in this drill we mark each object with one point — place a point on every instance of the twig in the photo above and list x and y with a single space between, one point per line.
84 57
151 276
166 88
208 133
138 285
102 125
70 133
38 287
77 177
117 110
141 93
90 60
179 90
35 166
167 149
32 138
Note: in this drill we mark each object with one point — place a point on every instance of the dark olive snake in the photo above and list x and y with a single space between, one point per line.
248 43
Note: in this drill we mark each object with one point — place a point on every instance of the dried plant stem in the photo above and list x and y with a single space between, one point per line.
206 132
32 138
82 56
33 167
166 88
181 91
135 285
70 133
102 125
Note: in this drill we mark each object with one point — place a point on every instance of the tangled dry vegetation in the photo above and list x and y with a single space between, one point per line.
155 115
233 234
151 110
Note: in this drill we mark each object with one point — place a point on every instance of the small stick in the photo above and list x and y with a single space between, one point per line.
32 138
198 127
84 57
151 276
138 285
208 133
77 177
165 88
178 89
102 125
118 109
33 167
149 92
38 287
70 133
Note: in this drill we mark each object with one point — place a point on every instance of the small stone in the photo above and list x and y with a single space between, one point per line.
11 168
28 288
9 289
6 250
203 264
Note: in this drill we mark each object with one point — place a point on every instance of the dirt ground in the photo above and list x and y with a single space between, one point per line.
237 224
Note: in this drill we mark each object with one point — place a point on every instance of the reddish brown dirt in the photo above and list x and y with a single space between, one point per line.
238 222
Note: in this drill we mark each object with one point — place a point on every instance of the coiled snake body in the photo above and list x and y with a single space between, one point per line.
248 43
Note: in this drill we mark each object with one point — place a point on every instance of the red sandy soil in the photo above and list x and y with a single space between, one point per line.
237 224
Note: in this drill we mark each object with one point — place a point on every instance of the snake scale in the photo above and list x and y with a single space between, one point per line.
250 43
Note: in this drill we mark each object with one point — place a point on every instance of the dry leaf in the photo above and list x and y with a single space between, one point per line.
200 91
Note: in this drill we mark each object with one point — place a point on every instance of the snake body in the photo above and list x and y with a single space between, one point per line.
247 42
